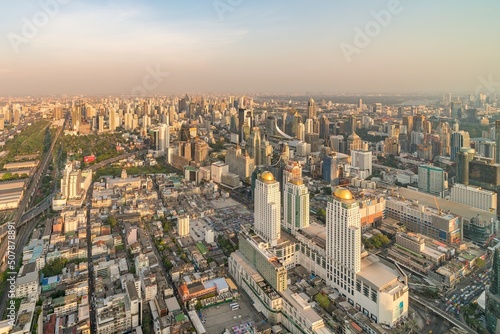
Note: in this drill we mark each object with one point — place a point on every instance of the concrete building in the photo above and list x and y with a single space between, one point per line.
362 163
432 180
459 139
421 219
239 163
217 169
183 225
474 196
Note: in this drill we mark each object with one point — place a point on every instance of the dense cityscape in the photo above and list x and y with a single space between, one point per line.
249 167
251 214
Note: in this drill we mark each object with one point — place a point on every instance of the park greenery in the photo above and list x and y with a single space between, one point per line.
31 140
225 245
102 146
140 170
377 241
56 266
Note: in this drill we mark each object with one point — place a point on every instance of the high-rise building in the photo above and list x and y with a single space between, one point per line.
343 243
330 169
113 123
200 151
183 225
254 143
100 124
497 141
493 296
459 139
432 180
362 160
295 205
465 156
311 109
267 216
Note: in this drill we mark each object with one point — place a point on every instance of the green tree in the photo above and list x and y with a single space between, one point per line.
54 267
198 306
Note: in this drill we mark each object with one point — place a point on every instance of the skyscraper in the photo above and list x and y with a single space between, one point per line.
311 109
363 161
465 155
343 243
112 120
295 205
432 180
459 139
497 141
267 216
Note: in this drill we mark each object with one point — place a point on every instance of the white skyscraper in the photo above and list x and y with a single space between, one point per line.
362 161
343 243
296 205
267 216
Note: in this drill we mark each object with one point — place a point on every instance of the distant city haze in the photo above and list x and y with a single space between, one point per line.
54 47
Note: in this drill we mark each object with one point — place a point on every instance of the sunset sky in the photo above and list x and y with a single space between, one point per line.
243 46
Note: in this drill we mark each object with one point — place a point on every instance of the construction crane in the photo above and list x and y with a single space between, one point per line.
437 205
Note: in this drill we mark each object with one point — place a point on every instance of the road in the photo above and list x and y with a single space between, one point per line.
93 322
441 313
120 157
23 231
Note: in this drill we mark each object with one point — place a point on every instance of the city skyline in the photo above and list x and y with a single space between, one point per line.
153 48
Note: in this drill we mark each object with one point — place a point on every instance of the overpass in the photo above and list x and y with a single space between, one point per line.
115 159
443 314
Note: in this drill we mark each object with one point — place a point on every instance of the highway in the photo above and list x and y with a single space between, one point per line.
24 230
115 159
441 313
93 323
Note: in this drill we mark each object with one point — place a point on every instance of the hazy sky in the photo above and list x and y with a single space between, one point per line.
108 47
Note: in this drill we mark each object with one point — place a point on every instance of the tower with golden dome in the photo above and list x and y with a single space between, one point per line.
267 213
343 243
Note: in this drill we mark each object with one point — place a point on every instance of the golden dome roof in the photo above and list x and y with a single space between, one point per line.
297 181
267 176
342 193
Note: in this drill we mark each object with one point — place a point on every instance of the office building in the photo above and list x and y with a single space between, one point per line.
267 216
465 156
217 169
432 180
311 109
420 218
240 163
295 205
474 196
330 169
362 163
459 140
